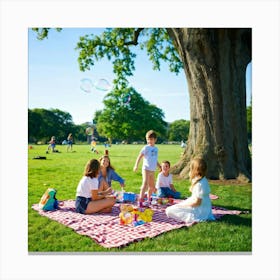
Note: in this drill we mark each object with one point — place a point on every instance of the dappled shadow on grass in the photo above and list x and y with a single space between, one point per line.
243 210
229 207
238 220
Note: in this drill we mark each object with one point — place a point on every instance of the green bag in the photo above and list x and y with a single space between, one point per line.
48 201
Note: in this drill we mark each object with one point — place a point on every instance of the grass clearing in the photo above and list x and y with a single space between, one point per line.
64 170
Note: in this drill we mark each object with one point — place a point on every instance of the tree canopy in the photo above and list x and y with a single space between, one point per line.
127 116
43 123
118 44
179 130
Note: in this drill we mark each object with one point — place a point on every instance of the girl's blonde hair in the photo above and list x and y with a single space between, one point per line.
198 168
92 168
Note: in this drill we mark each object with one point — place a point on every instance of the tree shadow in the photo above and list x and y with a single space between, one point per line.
238 219
243 210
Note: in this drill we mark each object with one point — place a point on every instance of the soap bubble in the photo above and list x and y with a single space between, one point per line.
102 84
86 85
89 131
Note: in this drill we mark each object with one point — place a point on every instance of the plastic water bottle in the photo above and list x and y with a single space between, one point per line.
121 195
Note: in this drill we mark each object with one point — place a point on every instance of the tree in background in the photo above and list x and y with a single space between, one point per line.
34 126
127 117
178 130
43 123
214 61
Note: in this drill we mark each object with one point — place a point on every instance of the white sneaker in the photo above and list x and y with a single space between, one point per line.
146 204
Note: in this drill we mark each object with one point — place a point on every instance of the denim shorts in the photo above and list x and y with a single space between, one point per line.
81 204
167 192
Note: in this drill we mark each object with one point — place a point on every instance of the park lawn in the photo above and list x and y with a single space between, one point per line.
63 171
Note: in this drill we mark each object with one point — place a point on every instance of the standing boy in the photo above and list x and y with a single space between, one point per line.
150 163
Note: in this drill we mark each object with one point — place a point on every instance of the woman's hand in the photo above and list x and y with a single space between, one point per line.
108 191
95 195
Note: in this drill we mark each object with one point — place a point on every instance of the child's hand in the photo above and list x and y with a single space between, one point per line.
135 168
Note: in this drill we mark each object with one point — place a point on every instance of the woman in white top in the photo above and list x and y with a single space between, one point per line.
198 206
88 199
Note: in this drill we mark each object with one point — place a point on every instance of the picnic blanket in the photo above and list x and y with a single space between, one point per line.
106 230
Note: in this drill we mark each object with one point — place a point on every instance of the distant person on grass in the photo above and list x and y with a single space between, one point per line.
88 198
107 174
164 184
149 153
51 144
198 206
69 142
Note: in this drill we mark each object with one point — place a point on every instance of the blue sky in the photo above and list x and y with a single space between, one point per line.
54 79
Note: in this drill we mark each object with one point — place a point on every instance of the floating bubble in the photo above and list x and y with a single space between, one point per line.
86 85
126 99
103 84
89 131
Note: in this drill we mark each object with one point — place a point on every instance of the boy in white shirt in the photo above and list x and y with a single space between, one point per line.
164 185
150 163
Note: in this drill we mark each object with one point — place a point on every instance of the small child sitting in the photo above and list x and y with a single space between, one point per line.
51 144
164 185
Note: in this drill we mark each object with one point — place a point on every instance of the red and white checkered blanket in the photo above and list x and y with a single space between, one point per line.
106 229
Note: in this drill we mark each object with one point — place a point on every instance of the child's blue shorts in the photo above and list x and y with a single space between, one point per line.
81 204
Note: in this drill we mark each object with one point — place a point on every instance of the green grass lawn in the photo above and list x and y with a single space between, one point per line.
63 171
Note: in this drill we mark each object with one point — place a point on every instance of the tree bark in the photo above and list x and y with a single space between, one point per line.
215 62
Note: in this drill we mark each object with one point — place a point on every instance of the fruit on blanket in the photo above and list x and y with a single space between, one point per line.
170 200
131 214
126 208
163 200
126 214
146 216
125 218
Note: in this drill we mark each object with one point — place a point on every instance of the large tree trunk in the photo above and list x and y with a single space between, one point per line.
215 62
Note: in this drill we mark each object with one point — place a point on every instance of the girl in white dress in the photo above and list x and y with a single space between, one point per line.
198 207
